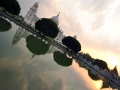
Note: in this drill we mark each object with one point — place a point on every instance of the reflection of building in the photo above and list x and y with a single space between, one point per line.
20 33
52 49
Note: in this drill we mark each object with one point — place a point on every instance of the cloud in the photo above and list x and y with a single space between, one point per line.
98 8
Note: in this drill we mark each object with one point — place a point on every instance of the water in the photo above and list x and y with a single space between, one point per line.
29 63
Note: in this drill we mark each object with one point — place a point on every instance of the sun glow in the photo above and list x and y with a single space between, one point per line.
98 84
112 61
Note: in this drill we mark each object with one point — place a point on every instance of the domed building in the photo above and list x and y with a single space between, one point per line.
31 17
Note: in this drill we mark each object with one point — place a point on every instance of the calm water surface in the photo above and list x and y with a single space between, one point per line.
25 66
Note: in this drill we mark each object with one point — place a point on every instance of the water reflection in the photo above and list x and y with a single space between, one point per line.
4 25
18 72
20 33
104 85
62 59
93 76
36 46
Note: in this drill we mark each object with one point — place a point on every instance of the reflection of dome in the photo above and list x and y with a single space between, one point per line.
56 19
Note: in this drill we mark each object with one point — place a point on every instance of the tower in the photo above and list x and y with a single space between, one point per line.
31 17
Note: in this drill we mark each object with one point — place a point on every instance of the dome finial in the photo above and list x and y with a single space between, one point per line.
58 14
75 36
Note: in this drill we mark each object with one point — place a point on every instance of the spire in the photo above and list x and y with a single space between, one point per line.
33 56
58 14
36 4
75 36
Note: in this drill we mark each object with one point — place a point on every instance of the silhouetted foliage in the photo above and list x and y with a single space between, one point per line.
104 85
4 25
12 6
87 57
92 76
36 46
62 59
47 27
72 43
100 63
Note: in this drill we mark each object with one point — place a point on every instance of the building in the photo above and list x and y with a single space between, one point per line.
31 18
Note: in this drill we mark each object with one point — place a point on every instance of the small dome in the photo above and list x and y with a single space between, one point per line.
56 19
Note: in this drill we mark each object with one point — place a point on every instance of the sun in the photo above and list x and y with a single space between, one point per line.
98 84
112 62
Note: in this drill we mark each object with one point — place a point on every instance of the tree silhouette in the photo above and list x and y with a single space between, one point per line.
47 27
104 85
12 6
4 25
100 63
62 59
72 43
36 46
87 57
92 76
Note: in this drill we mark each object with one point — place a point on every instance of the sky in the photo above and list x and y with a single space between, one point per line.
95 22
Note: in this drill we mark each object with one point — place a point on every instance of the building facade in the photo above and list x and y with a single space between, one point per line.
31 18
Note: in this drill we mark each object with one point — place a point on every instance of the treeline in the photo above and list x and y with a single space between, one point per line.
100 63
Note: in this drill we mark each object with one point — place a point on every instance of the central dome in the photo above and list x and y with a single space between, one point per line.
56 19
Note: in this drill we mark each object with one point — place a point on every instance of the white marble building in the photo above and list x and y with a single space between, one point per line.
31 18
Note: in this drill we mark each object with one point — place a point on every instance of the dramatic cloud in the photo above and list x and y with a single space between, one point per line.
98 8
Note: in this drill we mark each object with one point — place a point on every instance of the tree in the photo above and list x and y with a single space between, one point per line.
12 6
100 63
104 85
62 59
47 27
36 46
92 76
87 57
4 25
72 43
